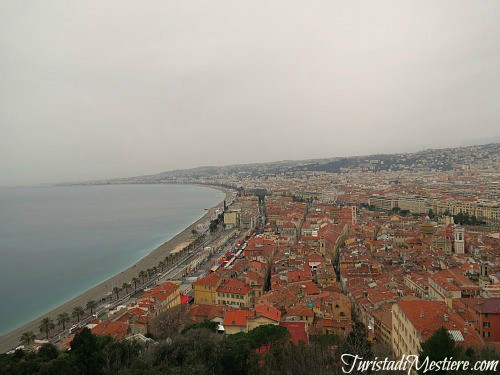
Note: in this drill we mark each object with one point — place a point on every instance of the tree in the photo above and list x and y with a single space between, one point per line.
91 305
208 324
62 319
169 321
77 312
126 286
27 337
431 214
268 334
116 290
194 232
357 342
161 265
142 275
87 347
438 347
135 280
48 352
46 325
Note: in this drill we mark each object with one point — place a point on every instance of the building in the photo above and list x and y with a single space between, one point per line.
163 296
205 289
487 314
231 219
416 321
459 240
235 293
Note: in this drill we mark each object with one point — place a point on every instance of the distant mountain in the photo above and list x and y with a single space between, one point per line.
427 160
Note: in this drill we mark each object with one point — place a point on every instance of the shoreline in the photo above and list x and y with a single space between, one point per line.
10 340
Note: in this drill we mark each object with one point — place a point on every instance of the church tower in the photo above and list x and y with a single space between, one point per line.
459 241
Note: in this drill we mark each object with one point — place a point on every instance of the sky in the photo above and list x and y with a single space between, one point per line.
105 89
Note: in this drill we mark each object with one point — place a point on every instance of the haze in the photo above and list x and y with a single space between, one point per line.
104 89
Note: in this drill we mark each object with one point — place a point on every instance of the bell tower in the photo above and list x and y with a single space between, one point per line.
459 240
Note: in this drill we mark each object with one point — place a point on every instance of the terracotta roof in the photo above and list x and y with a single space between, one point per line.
116 330
298 331
483 305
428 316
209 280
268 312
236 318
300 310
161 292
234 286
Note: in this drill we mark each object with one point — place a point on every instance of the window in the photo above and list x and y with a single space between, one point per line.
486 334
486 324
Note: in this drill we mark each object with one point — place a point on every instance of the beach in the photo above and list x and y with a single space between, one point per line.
11 339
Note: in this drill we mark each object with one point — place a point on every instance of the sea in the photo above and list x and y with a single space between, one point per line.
58 241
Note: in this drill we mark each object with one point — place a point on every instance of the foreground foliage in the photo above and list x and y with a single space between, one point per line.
197 350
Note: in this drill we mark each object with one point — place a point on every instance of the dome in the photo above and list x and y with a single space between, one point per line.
427 229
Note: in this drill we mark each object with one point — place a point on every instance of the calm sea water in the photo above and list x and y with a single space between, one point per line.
56 242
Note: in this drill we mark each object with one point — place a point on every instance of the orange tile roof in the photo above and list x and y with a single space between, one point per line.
428 316
300 310
268 312
298 331
209 280
161 292
234 286
236 318
117 330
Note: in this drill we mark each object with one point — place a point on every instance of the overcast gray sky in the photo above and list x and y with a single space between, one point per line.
98 89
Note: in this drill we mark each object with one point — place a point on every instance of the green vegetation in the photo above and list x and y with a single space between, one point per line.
91 305
62 319
116 291
215 223
465 219
77 312
46 325
441 345
27 338
198 349
125 286
438 347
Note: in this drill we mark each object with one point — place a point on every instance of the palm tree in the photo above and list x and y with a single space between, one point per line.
116 290
46 325
27 337
142 275
126 286
135 280
161 265
78 311
62 319
91 305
